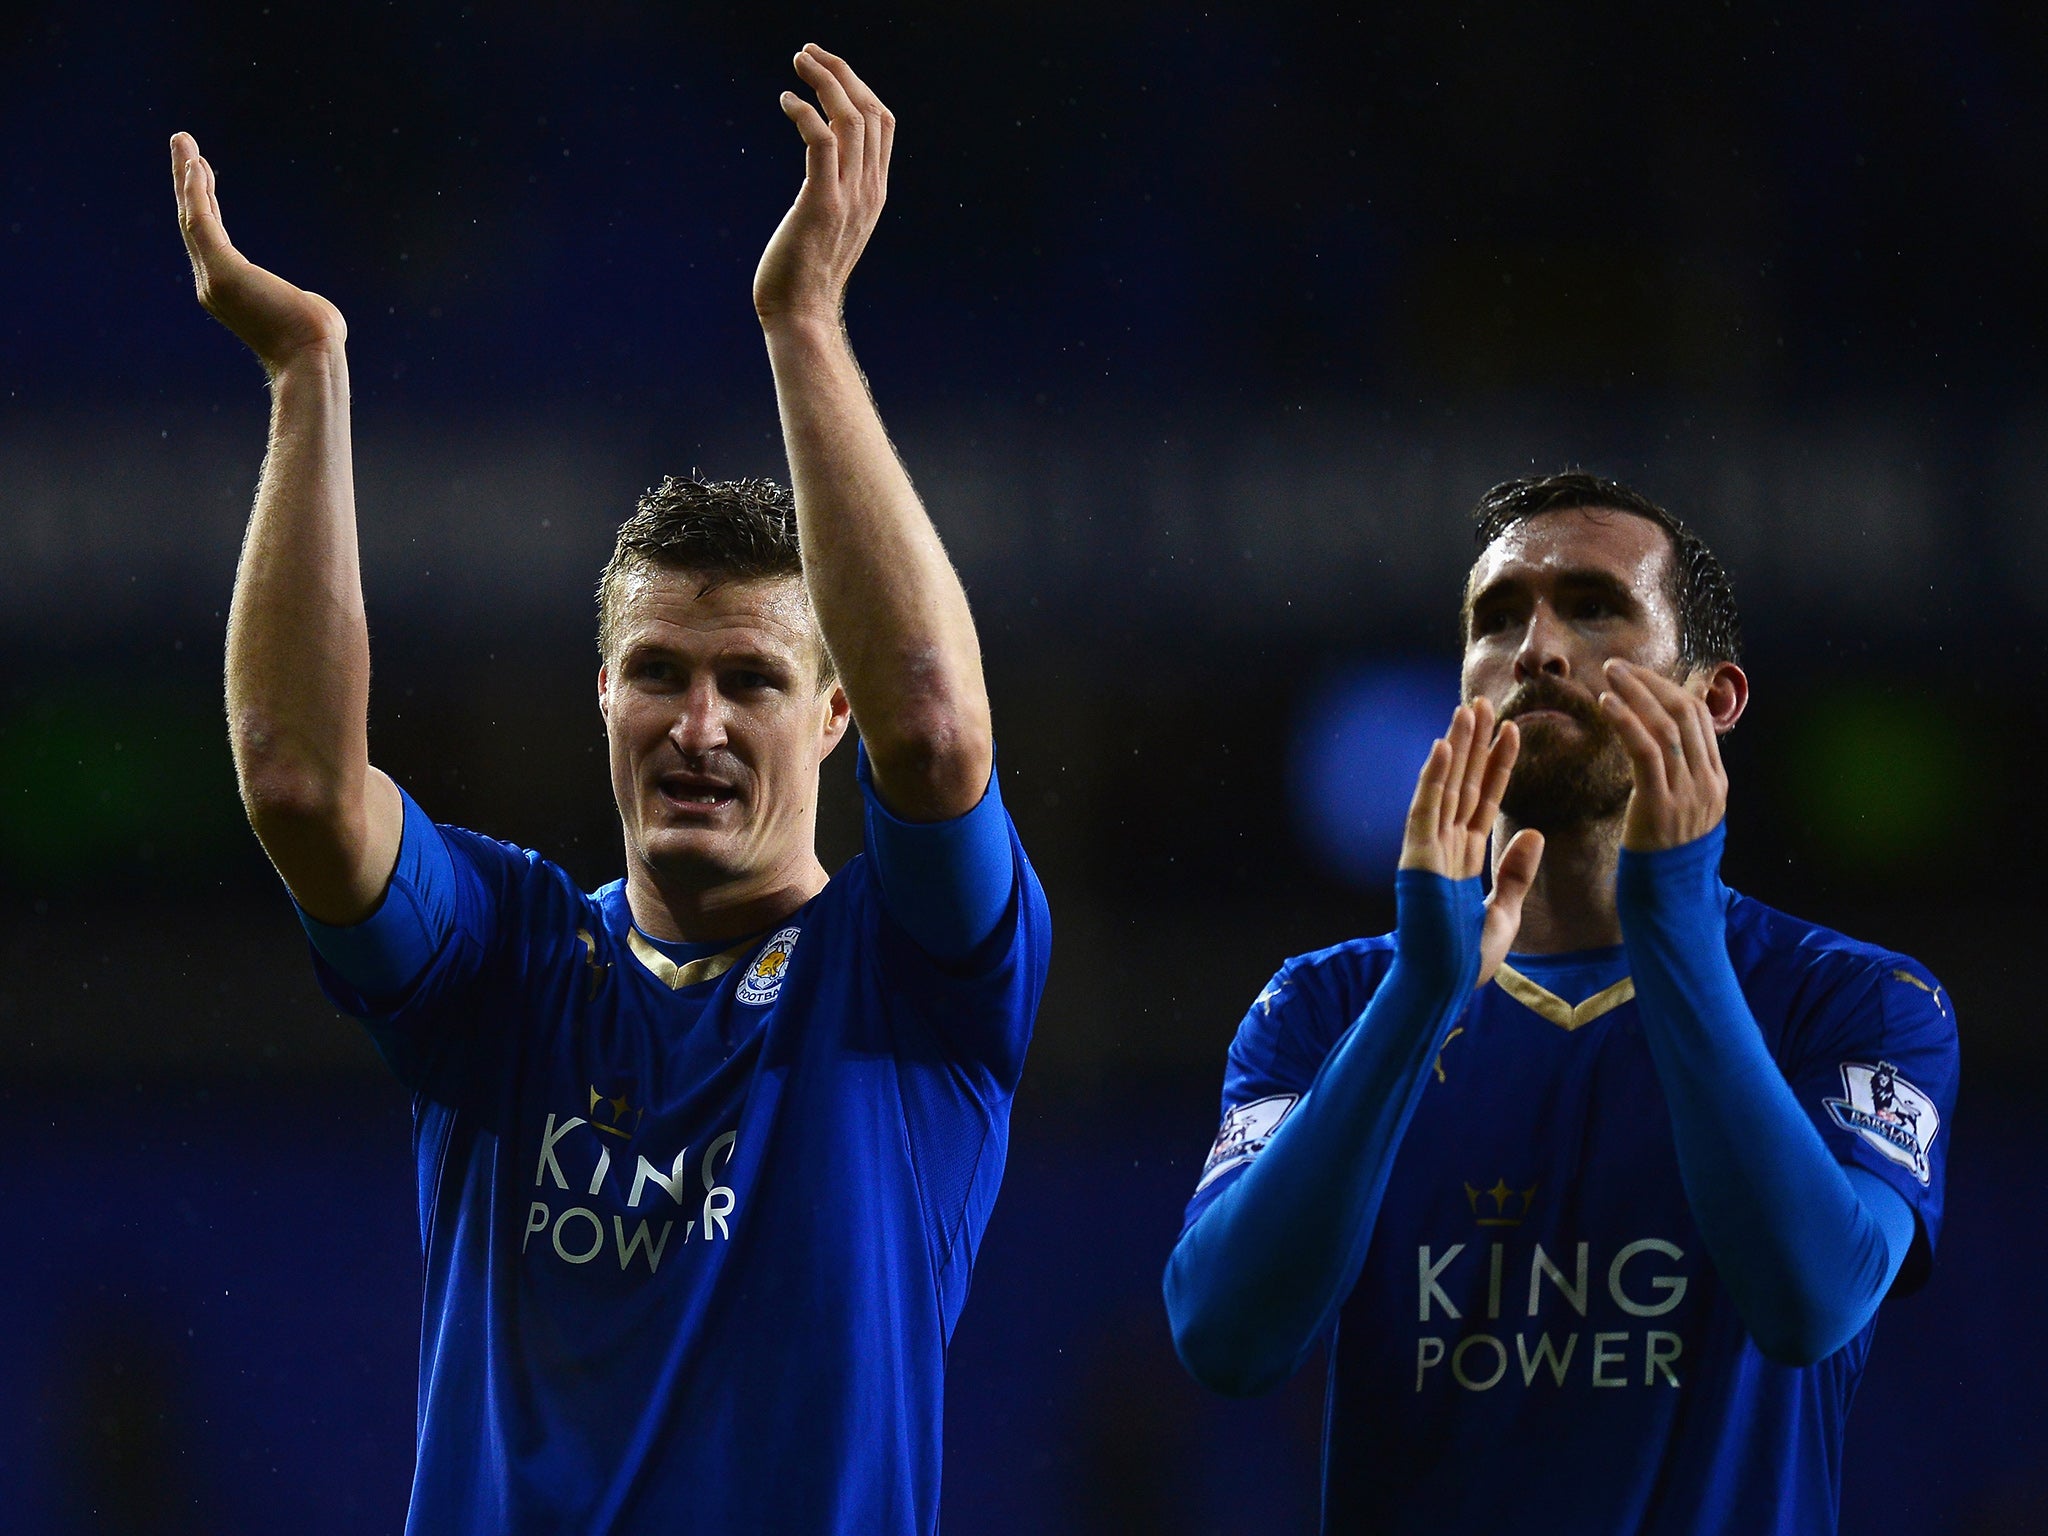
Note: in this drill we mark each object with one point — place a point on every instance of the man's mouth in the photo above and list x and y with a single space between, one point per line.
695 794
1549 704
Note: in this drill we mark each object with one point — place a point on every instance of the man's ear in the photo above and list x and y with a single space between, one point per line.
604 690
838 715
1725 688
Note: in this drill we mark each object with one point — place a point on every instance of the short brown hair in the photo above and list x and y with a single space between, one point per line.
1709 628
728 530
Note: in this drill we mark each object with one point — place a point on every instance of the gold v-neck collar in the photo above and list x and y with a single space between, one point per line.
676 977
1541 1000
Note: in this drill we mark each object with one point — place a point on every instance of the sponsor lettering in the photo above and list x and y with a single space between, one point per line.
579 1235
1643 1279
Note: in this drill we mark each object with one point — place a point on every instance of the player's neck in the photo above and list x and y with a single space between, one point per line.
728 910
1571 904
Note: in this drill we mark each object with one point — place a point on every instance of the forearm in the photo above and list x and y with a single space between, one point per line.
1257 1278
1805 1260
298 655
888 601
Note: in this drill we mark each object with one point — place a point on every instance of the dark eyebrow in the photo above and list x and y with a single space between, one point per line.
1579 579
760 661
1600 584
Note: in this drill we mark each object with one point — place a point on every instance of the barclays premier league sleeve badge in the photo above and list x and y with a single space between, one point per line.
1244 1134
763 982
1888 1112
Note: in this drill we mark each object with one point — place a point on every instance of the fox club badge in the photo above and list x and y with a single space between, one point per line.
1244 1134
763 982
1888 1112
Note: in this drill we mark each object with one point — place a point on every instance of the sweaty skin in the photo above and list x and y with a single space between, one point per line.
715 692
1557 597
298 655
1576 603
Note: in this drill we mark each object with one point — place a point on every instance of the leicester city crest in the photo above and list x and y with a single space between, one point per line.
1888 1112
763 981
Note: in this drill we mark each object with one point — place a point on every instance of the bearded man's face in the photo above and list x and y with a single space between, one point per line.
1551 600
1572 769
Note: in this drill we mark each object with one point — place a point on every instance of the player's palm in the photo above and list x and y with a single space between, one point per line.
1457 800
846 180
276 320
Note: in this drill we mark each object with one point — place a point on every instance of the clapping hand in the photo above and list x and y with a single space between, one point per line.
1457 799
277 321
804 270
1681 789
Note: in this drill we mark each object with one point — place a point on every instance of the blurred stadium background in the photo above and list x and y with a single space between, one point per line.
1200 329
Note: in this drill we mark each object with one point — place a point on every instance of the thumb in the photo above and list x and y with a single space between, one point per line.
1511 881
1517 872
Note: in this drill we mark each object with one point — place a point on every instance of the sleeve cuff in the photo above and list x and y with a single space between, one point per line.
1672 874
947 882
385 953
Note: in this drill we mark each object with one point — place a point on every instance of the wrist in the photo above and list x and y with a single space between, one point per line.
315 364
807 324
1437 925
1666 878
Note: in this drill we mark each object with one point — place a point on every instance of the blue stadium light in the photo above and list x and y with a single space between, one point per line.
1360 740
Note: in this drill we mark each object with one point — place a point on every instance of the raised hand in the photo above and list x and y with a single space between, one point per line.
1457 800
277 321
803 271
1681 789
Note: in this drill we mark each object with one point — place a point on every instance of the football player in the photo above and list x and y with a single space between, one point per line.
704 1156
1590 1188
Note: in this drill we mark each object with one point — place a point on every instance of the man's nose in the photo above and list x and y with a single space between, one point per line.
699 727
1542 652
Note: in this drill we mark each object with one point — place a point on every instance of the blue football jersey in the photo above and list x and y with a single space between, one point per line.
1538 1339
697 1235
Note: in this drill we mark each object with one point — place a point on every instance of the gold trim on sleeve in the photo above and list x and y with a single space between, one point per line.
1541 1000
676 977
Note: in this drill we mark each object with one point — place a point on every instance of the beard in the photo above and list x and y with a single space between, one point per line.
1566 775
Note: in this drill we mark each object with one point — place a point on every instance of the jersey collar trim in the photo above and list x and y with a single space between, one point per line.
1541 1000
676 977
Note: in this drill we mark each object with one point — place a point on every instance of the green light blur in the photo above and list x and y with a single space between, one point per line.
1882 778
94 781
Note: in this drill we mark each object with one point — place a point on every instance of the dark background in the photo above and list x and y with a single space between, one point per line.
1201 329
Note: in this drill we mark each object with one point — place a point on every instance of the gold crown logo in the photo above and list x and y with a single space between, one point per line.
622 1117
1504 1207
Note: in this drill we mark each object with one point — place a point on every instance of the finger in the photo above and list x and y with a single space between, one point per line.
1696 731
883 148
1645 752
1458 739
1702 748
1470 793
1649 683
1651 708
1511 882
857 91
183 147
212 189
1423 807
821 150
881 122
184 153
206 241
1519 862
1500 765
848 125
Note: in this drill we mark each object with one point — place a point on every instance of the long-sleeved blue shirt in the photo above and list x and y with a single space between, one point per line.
1701 1104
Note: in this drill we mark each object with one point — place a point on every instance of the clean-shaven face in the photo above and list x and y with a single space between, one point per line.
1551 599
717 724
